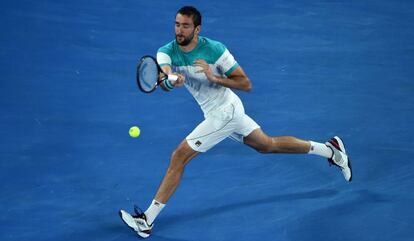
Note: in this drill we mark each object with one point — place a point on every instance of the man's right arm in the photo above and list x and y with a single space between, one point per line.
166 69
180 80
165 61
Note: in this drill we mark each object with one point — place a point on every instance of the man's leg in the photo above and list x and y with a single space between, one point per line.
142 222
206 135
180 157
263 143
334 149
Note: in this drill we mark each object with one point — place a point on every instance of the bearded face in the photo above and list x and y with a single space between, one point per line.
184 29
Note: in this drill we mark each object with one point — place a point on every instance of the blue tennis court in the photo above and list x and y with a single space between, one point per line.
68 97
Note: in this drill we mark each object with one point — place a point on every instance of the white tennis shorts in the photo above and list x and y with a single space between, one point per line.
227 121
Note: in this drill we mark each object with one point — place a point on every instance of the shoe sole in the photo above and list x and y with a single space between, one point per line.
141 234
342 146
350 169
123 220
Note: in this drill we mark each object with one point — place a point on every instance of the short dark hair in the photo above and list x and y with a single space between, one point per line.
191 11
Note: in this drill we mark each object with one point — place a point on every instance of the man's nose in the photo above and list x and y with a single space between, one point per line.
179 30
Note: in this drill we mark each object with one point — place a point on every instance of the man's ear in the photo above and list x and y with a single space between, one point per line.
198 29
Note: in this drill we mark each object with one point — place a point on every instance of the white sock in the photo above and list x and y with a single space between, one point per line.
320 149
153 210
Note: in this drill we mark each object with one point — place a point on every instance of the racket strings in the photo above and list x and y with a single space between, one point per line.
148 74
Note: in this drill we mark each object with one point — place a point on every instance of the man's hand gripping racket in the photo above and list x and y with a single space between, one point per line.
150 76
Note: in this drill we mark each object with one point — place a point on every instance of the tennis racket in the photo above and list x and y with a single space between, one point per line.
150 75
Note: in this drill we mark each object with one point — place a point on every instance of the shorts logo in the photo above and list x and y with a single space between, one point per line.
198 143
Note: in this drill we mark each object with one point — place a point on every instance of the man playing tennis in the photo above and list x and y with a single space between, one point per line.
209 71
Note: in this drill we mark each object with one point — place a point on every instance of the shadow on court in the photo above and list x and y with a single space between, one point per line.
239 206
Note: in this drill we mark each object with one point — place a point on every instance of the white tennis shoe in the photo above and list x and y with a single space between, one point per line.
339 157
137 222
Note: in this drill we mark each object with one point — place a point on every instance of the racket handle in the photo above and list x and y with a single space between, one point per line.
168 83
172 78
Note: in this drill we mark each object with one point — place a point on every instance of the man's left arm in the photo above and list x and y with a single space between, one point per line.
237 79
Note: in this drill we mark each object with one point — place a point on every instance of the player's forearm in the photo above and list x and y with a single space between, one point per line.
234 82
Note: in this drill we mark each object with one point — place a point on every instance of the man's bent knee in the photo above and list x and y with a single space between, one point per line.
181 156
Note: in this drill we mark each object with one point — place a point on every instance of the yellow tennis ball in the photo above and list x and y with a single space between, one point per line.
134 131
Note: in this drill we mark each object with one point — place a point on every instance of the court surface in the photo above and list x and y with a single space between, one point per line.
323 68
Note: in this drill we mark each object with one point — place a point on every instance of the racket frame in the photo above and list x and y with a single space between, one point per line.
159 72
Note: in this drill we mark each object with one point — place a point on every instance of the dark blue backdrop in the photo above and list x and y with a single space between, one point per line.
68 97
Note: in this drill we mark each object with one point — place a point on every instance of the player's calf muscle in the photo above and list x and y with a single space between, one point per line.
289 144
264 146
283 144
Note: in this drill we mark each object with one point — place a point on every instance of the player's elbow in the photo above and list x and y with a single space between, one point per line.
247 86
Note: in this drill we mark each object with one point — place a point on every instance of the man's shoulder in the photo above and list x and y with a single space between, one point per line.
211 50
167 48
213 45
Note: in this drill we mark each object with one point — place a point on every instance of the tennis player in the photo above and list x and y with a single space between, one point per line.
210 72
